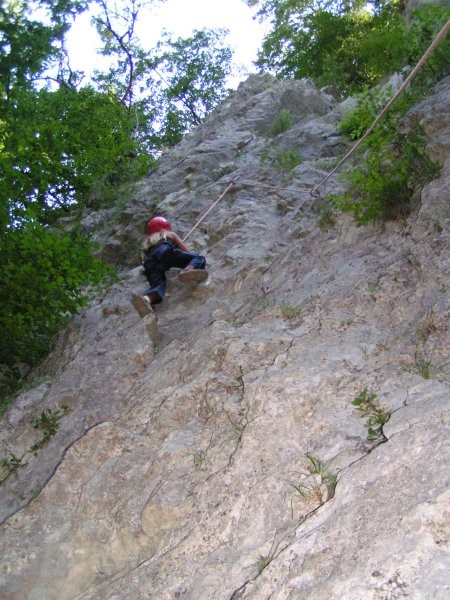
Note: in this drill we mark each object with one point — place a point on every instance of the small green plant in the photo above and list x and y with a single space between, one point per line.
423 367
327 218
321 469
188 182
240 378
12 463
261 563
427 327
48 420
356 122
367 404
286 159
34 493
199 459
281 123
290 312
320 485
48 424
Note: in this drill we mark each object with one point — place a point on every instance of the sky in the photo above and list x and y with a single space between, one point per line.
179 17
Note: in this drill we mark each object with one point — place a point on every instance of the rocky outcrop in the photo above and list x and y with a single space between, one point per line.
223 458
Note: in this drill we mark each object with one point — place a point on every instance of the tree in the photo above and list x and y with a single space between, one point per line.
61 146
190 82
42 166
27 45
42 273
169 88
58 146
333 42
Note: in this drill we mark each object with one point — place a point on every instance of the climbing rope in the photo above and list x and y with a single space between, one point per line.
230 185
407 81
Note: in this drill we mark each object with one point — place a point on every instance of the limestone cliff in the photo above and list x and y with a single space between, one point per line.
220 456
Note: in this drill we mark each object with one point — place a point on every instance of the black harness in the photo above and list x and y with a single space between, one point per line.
153 255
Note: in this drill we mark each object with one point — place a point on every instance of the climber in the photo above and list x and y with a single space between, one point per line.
163 249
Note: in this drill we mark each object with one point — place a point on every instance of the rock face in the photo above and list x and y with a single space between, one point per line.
222 458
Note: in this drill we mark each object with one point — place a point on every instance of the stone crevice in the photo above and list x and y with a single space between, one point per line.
50 475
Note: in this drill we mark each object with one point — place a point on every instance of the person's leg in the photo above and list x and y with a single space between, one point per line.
192 265
181 260
198 262
154 295
157 282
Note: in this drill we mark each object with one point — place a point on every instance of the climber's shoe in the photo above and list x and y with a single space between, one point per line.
142 304
193 275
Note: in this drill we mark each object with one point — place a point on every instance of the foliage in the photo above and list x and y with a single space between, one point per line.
190 75
51 154
376 416
383 185
48 425
43 273
355 123
319 486
281 123
286 159
343 43
12 463
48 161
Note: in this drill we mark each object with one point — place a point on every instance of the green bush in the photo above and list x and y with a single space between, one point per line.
281 123
44 275
287 159
383 185
394 166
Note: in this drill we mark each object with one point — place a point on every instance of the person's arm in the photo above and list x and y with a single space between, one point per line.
177 240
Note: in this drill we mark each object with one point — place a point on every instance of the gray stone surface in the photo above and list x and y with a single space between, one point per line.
180 470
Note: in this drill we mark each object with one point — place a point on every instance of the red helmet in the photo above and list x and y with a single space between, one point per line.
158 224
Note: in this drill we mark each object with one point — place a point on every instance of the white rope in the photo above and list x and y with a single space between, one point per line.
230 185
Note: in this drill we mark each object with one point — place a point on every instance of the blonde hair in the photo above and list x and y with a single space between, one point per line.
152 240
